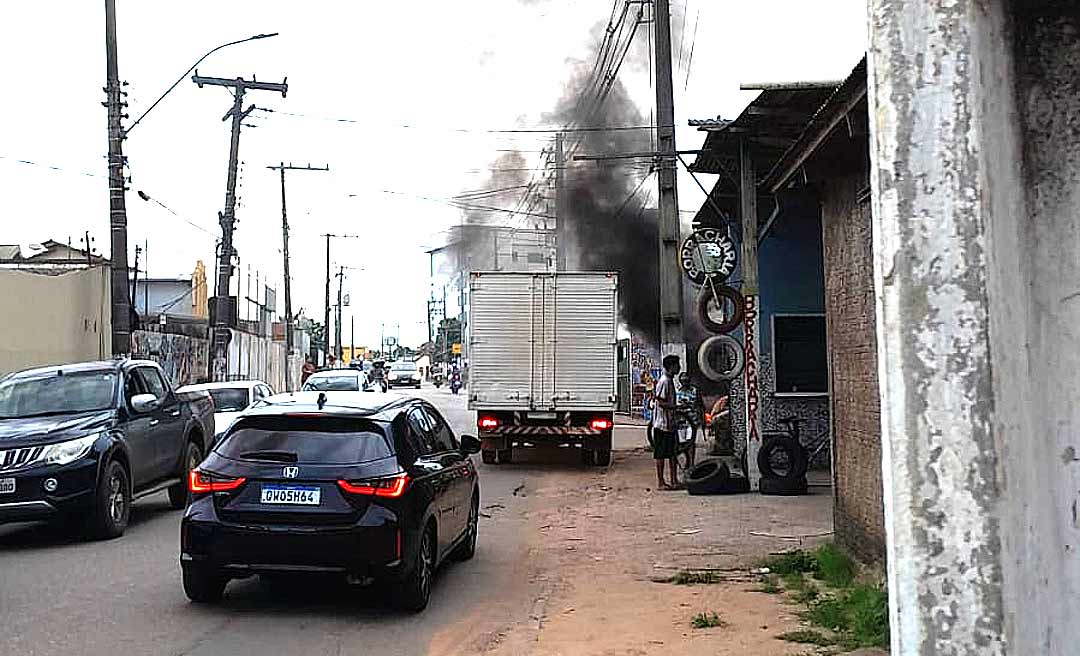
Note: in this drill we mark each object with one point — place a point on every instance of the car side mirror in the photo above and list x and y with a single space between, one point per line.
144 402
470 444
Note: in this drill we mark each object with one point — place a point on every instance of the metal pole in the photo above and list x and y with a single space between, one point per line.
561 240
118 277
671 327
337 322
352 337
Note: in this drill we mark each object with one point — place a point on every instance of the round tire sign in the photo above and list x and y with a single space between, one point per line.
708 253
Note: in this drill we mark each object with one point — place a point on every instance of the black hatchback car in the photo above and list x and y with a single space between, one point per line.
371 488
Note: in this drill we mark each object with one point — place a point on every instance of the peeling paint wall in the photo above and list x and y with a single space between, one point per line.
975 122
184 359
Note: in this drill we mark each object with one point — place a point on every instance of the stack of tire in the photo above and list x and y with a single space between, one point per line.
788 480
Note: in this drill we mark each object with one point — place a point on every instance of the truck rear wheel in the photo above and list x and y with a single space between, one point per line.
506 456
488 456
601 457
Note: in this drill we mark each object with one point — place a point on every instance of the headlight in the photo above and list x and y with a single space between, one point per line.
70 451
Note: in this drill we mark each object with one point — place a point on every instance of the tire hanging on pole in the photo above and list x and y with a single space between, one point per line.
737 357
716 293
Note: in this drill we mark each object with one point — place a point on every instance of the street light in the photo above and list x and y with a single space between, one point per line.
181 78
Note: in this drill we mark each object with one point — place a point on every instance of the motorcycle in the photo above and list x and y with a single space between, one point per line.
438 380
455 383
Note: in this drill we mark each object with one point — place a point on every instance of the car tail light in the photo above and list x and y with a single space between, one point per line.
392 487
488 423
600 424
203 483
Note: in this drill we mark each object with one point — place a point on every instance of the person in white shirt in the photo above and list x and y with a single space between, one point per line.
663 423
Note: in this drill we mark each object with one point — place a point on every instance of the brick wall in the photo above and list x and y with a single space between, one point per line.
858 513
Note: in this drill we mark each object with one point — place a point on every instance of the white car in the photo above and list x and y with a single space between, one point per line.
337 380
230 399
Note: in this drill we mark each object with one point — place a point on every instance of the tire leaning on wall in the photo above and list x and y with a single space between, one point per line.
720 342
707 296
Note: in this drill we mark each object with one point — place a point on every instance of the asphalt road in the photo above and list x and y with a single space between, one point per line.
62 595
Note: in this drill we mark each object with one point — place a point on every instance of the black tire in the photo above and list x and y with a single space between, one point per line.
488 456
415 590
587 456
601 457
705 363
178 494
705 301
708 477
784 487
203 585
785 451
737 485
506 456
112 508
418 386
466 549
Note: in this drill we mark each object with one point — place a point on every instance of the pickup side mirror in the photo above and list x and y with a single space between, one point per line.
470 444
144 403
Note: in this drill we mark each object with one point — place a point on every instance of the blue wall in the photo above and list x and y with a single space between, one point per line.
790 270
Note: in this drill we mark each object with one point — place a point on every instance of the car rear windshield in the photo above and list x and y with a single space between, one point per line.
229 399
311 440
333 384
57 394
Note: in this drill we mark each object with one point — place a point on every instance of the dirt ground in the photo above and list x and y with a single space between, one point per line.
597 540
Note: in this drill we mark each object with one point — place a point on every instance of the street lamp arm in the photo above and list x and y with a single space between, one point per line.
193 66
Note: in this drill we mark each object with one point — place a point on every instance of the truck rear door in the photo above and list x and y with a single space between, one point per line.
502 340
584 340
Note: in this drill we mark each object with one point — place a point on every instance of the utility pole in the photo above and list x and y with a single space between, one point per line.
352 337
337 322
560 211
672 340
326 294
285 252
118 279
239 86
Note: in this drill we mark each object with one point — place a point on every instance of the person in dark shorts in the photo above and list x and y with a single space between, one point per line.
663 423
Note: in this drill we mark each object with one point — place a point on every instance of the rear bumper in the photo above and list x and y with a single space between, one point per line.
558 435
360 548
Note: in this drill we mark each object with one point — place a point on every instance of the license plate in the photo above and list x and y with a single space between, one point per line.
296 496
7 485
542 415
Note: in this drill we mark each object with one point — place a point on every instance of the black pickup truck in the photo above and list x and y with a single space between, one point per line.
80 442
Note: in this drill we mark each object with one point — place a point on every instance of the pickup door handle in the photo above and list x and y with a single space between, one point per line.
175 413
153 422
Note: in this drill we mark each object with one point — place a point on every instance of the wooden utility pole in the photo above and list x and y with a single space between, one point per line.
118 280
561 222
285 252
326 297
672 340
220 334
751 326
337 321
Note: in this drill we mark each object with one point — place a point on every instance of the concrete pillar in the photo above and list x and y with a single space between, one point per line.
976 188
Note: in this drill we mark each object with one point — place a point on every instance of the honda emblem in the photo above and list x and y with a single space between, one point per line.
290 472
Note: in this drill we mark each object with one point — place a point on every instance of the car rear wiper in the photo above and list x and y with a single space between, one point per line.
273 456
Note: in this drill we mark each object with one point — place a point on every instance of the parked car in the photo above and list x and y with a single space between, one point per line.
230 398
80 442
336 380
403 374
332 482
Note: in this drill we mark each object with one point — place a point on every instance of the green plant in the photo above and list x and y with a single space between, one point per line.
833 566
807 637
806 595
686 577
706 621
769 586
792 562
860 615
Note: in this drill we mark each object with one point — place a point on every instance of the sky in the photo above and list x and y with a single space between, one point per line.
392 96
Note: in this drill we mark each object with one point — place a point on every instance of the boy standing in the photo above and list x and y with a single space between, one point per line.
663 423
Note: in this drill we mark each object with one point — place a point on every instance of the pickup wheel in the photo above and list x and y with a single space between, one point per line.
112 508
178 493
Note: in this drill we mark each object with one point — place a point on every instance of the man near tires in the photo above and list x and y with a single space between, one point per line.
665 441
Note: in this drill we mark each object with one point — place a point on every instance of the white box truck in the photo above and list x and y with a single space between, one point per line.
542 361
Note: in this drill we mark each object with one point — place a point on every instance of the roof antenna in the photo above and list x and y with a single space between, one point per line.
321 401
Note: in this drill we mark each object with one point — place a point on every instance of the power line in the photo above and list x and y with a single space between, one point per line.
690 58
58 169
408 126
464 206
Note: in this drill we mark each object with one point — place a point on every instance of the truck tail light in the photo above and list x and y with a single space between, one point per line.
488 423
203 483
392 487
600 424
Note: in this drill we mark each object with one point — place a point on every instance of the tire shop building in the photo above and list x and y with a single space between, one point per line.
806 149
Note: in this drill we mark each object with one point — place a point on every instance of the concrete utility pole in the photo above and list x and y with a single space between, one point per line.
337 320
672 340
561 240
220 334
118 280
285 252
